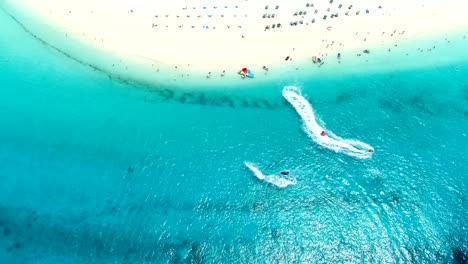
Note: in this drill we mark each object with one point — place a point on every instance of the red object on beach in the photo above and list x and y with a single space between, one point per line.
323 133
329 28
244 70
314 59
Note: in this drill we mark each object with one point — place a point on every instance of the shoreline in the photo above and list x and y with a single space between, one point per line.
148 67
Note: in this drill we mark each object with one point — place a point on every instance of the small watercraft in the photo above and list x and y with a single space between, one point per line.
249 74
246 73
316 59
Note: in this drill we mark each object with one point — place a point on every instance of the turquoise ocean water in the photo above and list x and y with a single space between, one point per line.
94 170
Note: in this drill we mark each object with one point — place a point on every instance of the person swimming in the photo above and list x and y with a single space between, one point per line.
323 133
285 173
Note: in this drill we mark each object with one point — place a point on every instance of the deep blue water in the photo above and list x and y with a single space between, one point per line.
93 170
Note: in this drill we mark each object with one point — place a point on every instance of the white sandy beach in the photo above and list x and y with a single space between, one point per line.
210 40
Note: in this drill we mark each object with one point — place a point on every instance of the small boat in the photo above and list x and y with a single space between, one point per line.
249 74
246 73
285 173
316 59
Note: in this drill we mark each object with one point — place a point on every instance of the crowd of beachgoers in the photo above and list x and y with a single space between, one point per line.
222 39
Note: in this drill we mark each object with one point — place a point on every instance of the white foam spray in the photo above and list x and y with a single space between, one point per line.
350 147
272 179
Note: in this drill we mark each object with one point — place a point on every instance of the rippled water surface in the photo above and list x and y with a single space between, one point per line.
98 171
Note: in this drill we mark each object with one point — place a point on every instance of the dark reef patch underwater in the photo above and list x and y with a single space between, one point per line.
99 170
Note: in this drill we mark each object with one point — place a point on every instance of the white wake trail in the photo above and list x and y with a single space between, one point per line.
272 179
350 147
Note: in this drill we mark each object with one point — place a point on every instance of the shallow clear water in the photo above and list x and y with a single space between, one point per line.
98 171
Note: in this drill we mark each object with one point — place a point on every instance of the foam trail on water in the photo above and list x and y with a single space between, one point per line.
331 141
273 179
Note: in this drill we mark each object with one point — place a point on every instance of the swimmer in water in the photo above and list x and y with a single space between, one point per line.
323 133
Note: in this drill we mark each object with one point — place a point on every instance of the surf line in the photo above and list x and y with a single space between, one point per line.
272 179
350 147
